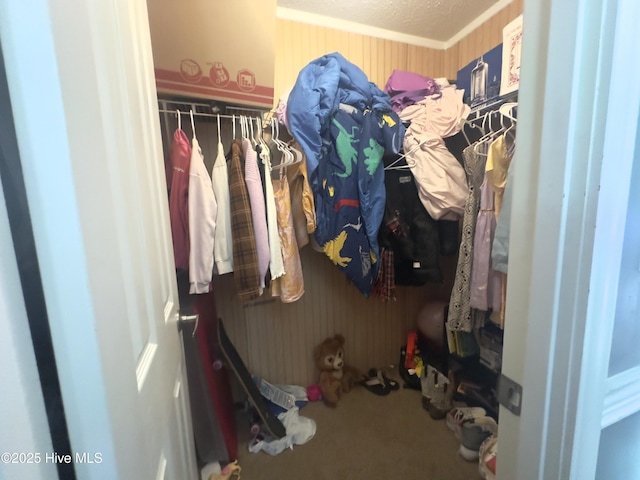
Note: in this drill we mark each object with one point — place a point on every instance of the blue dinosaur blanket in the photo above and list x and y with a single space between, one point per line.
344 124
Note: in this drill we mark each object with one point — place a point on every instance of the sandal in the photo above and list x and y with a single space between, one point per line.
375 384
389 382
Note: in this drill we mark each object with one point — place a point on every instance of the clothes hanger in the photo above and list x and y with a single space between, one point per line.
393 165
253 136
233 129
265 151
193 125
261 139
219 136
283 147
179 119
299 156
275 154
291 156
490 135
506 109
243 128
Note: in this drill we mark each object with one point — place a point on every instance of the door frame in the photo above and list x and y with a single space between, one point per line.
576 114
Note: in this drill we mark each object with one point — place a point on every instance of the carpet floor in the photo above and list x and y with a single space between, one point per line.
366 437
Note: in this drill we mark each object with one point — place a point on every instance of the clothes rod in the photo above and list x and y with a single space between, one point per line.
214 115
168 104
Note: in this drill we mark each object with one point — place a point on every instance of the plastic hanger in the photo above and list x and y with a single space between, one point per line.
288 156
265 152
490 135
253 136
233 129
179 119
219 136
393 165
298 155
193 125
506 110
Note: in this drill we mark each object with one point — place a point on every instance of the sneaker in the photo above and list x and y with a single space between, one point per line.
474 432
457 416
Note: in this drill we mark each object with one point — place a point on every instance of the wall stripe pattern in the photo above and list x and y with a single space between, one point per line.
277 340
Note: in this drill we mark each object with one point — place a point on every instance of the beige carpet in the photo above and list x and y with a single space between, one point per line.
367 437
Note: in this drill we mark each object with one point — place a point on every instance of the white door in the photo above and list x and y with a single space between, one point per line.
81 81
574 281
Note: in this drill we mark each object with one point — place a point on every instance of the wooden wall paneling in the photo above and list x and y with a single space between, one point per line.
276 340
412 58
451 61
366 53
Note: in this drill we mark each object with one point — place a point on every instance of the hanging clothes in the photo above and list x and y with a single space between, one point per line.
344 123
498 174
178 178
223 242
276 262
202 220
302 203
246 274
409 231
460 316
441 179
497 168
385 286
290 286
486 284
258 209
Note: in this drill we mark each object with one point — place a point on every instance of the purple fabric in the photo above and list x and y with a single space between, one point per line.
407 88
485 282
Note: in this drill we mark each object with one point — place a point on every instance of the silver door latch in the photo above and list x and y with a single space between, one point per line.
184 319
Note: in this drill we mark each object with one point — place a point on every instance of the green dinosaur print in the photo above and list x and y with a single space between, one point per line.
374 154
348 155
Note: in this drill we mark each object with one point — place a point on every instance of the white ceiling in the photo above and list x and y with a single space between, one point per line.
436 23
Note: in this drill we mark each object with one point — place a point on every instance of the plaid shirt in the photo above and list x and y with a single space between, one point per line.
245 255
385 286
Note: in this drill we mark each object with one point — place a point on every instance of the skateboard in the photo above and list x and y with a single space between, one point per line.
269 420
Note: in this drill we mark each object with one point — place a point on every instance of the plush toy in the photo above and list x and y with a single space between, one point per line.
336 377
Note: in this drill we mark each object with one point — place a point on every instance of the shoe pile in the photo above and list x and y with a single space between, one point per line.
471 427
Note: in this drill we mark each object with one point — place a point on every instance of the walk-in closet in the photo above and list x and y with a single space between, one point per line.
408 314
287 239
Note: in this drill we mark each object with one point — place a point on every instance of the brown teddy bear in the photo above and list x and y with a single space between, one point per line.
336 377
